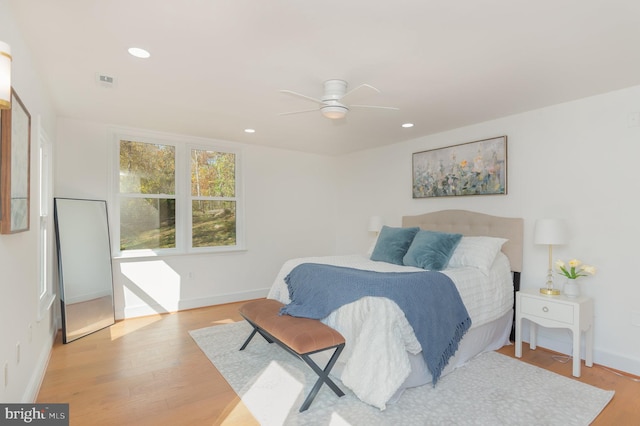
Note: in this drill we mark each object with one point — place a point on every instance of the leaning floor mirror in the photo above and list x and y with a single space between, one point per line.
84 266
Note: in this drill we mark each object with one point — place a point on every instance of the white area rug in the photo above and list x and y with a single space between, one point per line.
491 389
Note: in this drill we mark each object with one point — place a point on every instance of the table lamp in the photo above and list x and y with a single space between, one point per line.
375 224
551 232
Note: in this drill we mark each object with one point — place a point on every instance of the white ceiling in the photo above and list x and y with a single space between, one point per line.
216 66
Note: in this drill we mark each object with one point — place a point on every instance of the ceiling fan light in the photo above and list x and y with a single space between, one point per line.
334 112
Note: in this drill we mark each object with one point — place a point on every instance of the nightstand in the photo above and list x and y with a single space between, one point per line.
575 314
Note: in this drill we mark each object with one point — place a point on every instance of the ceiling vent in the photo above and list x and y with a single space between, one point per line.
105 80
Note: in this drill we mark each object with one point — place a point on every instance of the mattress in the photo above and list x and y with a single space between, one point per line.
486 296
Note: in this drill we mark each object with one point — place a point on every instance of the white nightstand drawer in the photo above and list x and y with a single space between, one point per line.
549 309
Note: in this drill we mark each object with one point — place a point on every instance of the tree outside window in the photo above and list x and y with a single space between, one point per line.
150 199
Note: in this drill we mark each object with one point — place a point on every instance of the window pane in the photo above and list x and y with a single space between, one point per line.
213 174
214 223
147 223
147 168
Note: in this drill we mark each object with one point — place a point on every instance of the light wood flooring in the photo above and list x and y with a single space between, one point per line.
149 371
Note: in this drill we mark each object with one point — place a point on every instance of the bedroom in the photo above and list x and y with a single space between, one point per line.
574 160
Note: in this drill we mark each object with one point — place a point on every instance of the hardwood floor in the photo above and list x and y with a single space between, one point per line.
148 371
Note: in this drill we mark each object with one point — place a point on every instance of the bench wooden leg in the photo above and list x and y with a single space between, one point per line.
323 377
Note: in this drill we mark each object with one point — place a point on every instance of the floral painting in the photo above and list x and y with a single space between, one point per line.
473 168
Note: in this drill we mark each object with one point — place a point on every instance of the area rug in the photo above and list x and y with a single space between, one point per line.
491 389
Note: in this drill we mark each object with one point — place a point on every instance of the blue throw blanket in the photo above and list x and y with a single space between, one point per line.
429 299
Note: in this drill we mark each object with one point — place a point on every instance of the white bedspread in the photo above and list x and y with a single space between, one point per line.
375 359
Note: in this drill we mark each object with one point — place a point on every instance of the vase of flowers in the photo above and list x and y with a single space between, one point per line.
572 271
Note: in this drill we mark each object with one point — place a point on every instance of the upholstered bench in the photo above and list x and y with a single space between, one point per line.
299 336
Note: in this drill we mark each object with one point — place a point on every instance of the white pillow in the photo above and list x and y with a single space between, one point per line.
477 252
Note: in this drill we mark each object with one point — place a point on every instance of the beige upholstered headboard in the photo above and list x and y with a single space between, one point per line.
476 224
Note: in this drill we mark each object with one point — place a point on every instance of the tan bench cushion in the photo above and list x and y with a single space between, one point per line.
303 335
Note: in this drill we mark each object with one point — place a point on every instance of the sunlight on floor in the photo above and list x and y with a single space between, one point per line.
259 398
122 328
337 420
224 321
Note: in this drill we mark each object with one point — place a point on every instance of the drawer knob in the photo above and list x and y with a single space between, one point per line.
545 309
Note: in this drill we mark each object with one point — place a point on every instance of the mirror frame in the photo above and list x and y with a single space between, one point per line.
15 166
103 318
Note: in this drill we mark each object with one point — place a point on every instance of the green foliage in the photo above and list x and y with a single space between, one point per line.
147 168
213 173
214 227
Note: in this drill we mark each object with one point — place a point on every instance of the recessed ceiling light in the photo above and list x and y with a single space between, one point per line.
407 125
249 130
139 52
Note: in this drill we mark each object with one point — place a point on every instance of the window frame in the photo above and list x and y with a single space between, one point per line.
46 293
183 220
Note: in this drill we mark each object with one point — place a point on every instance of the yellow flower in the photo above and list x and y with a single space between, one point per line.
575 269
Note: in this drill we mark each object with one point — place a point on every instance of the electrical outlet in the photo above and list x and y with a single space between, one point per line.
634 119
18 353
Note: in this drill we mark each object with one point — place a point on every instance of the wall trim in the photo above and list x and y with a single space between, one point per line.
563 345
182 305
30 394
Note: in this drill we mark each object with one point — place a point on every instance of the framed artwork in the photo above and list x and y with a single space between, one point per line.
15 145
472 168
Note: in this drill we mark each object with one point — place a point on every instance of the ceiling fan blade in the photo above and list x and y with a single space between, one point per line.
357 90
299 112
374 106
300 95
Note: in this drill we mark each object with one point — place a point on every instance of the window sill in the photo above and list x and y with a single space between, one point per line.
145 254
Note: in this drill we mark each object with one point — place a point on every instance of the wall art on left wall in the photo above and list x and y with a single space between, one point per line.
15 159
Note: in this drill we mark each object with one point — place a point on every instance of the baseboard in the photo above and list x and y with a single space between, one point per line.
560 341
145 310
37 376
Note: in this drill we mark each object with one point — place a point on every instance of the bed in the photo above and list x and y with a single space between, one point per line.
382 356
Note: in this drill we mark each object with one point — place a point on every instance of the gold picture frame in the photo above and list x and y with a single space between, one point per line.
15 160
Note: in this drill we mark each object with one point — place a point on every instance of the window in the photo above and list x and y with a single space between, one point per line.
176 197
213 198
147 187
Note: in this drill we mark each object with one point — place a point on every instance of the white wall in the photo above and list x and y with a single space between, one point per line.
20 323
577 161
288 214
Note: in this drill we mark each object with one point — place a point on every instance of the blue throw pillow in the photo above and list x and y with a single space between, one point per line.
393 244
431 250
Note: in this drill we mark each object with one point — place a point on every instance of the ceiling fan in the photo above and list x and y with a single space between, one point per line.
334 102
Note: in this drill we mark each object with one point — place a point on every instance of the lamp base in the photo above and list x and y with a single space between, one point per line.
550 291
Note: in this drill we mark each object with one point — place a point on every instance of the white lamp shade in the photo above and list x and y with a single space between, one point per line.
550 231
375 224
5 76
